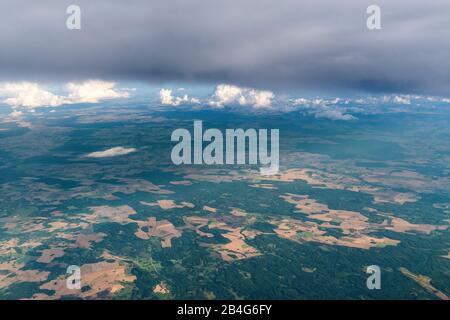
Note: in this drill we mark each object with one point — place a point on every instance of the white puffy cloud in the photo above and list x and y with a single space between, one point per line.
29 95
92 91
409 99
324 108
32 95
166 98
195 100
16 114
402 100
333 114
301 102
113 152
226 94
258 98
318 101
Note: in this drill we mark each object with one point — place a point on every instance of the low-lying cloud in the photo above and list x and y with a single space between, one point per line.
166 98
322 108
29 95
225 94
33 95
92 91
113 152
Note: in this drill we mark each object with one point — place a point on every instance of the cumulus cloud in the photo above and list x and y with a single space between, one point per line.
195 100
29 95
92 91
402 100
300 101
309 102
226 94
324 108
16 114
333 114
33 95
223 95
410 98
166 98
405 99
113 152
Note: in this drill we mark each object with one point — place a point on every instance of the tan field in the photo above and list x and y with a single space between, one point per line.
424 282
209 209
161 288
162 229
169 204
13 273
102 277
48 255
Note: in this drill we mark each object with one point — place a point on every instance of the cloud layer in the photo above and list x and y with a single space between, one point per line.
252 43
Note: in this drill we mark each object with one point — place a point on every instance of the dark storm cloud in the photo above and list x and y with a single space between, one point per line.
291 44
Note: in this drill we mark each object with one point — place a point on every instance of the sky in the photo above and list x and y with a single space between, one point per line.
289 45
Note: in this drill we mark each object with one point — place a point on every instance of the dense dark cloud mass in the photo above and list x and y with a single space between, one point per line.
278 43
